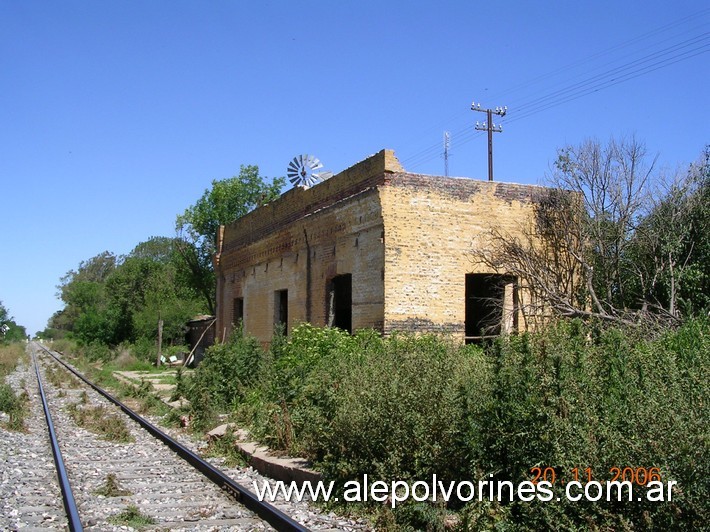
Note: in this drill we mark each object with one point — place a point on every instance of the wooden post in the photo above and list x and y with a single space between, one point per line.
160 340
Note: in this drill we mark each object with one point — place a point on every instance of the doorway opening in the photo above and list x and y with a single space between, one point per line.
491 306
238 313
281 310
340 302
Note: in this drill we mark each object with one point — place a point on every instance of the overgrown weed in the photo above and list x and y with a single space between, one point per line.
10 355
574 395
112 488
226 447
131 517
100 421
15 405
60 377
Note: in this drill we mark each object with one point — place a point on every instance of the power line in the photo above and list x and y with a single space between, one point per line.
678 52
491 128
662 58
625 44
447 145
594 84
597 81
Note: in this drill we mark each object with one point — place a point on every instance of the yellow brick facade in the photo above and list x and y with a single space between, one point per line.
403 243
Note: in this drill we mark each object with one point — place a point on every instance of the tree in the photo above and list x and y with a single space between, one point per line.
670 250
157 272
95 269
197 227
547 256
157 248
602 245
613 181
116 299
10 331
86 313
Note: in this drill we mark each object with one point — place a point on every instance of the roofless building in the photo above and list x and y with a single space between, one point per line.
372 247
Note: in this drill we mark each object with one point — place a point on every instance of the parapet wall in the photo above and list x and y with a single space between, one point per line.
299 203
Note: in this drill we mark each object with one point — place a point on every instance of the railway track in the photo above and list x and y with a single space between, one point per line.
147 478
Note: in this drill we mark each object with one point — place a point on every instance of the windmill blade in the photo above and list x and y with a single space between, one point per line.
300 171
324 175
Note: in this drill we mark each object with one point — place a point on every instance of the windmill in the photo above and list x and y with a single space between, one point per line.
301 171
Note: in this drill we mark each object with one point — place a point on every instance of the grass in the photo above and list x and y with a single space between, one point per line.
111 488
132 517
10 355
146 397
59 377
167 379
15 406
225 447
143 393
100 421
12 403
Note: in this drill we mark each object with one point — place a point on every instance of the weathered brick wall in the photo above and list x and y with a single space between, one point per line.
408 241
433 227
299 243
339 240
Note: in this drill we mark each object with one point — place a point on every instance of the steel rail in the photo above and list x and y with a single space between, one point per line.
274 516
67 494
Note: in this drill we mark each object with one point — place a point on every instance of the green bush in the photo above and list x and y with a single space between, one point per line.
144 349
575 396
14 405
63 345
273 408
392 410
223 378
572 396
95 351
295 358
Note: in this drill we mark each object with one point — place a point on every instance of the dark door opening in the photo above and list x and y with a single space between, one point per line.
491 300
238 312
340 302
281 310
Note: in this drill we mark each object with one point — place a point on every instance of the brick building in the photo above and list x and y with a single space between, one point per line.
372 247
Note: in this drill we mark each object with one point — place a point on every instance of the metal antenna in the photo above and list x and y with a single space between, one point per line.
489 126
447 145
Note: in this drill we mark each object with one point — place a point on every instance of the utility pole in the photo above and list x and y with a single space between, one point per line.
447 145
489 126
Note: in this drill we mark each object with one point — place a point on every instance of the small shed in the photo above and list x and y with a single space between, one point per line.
200 336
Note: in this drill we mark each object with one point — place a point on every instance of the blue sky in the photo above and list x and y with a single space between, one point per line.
116 115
